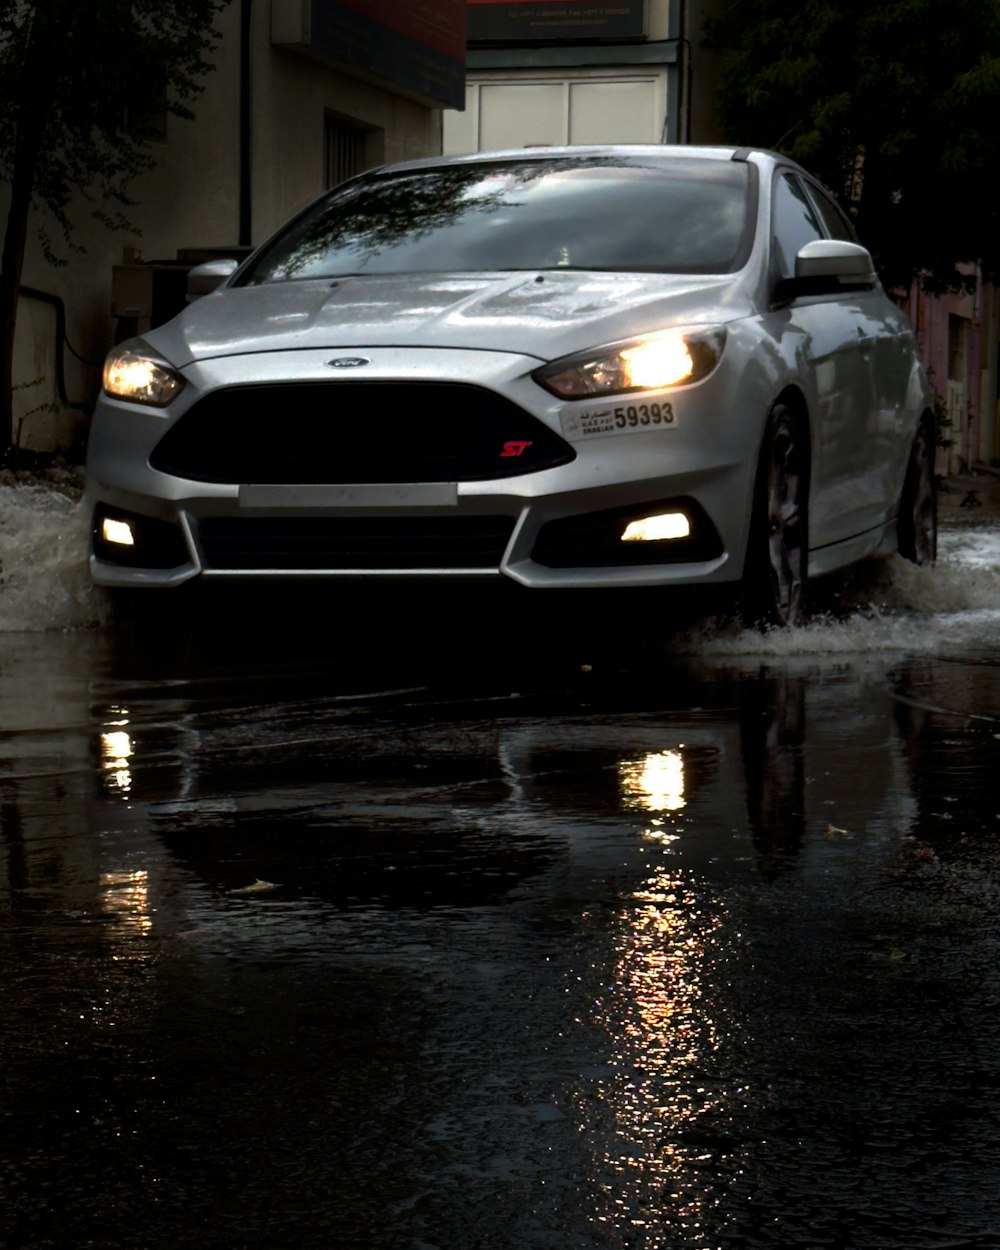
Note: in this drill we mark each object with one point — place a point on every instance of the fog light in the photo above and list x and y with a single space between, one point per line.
119 532
656 528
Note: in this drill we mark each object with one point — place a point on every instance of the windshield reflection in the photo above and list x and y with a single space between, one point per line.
588 213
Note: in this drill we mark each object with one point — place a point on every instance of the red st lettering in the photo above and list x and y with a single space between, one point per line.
515 447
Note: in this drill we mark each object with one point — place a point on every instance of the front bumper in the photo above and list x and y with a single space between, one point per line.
557 526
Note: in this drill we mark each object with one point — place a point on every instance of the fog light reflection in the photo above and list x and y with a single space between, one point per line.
655 782
116 752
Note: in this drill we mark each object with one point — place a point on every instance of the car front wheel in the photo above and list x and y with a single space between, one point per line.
774 579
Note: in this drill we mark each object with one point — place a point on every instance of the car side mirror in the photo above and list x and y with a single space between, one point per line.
204 278
834 262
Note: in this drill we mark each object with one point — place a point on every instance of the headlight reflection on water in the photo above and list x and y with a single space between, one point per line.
654 782
659 1177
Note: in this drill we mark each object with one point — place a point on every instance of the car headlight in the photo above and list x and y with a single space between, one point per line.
134 374
652 363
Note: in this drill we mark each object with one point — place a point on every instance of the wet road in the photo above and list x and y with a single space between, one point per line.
488 931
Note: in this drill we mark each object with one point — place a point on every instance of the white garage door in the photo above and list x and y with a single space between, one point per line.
584 108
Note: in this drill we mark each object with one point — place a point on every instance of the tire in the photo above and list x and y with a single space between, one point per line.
774 578
916 523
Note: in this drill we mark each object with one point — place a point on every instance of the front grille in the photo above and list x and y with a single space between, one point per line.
288 543
346 432
593 539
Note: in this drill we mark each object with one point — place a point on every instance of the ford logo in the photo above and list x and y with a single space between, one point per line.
348 362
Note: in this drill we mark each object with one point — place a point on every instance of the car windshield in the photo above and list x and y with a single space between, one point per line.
596 213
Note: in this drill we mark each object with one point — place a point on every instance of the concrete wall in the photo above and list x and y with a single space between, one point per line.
191 200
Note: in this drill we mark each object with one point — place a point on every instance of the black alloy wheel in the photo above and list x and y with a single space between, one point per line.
774 580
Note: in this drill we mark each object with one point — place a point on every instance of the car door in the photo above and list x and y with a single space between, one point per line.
889 344
830 343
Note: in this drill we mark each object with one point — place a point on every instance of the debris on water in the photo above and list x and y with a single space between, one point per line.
920 851
258 887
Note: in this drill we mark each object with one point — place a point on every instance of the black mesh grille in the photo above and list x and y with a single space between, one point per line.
354 542
343 432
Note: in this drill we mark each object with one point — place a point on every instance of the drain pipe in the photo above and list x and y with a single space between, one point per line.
246 124
56 303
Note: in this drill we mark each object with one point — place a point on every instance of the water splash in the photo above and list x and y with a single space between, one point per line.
882 607
891 606
44 580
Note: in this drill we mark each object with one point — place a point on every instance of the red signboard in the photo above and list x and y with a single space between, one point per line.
417 44
438 24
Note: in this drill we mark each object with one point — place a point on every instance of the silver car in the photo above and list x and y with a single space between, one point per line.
587 367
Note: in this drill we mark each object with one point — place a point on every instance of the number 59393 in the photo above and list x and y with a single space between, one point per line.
635 415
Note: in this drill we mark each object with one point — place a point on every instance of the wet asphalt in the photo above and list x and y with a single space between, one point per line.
426 926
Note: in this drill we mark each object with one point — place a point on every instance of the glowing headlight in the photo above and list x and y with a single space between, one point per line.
142 379
656 362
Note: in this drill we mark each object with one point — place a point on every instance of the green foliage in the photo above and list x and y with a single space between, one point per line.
81 84
893 103
79 80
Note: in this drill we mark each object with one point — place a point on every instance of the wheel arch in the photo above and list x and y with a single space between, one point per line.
930 423
790 397
774 568
916 511
793 398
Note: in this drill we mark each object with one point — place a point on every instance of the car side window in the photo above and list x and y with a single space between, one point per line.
838 225
793 224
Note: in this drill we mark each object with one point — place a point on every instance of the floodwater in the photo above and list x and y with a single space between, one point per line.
459 927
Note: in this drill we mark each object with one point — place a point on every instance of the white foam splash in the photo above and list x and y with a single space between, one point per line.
893 606
871 632
44 580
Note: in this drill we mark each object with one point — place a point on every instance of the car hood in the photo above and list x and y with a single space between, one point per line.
544 315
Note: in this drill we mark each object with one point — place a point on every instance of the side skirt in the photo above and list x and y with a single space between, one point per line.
880 541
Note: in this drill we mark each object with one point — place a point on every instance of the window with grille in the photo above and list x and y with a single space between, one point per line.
346 150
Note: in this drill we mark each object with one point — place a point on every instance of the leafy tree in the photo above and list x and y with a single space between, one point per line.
893 103
80 81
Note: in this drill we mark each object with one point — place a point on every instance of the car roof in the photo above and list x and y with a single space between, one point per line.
627 151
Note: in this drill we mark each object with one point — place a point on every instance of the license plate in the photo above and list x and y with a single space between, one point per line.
385 495
618 419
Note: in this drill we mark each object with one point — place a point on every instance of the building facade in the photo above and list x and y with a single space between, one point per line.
304 93
958 336
549 72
